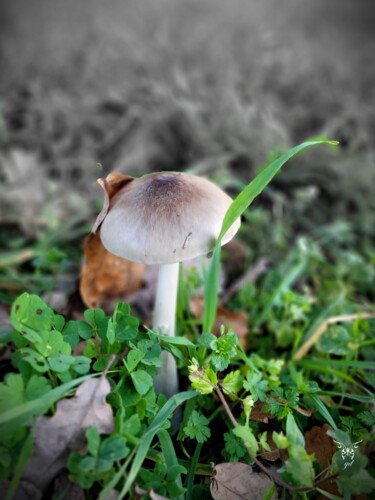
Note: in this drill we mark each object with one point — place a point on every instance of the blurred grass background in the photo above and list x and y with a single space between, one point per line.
88 87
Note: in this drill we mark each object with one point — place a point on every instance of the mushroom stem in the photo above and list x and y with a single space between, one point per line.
164 320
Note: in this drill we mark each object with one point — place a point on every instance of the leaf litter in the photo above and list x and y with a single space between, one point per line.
238 481
105 277
55 437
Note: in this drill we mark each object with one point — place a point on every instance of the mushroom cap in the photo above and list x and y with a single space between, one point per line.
165 217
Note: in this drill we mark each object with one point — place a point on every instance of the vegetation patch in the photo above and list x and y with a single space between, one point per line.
284 410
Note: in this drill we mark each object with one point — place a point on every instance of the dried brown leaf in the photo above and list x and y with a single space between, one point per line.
318 442
258 414
105 276
55 437
238 481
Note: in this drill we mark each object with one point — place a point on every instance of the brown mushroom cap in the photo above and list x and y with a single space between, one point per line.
165 217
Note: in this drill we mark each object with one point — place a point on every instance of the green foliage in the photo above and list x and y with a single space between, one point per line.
249 440
197 427
223 350
98 462
14 390
234 448
367 418
298 468
232 383
202 380
255 384
281 402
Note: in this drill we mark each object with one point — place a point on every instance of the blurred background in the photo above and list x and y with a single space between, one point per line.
215 87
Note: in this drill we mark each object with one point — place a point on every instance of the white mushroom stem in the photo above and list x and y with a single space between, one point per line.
164 320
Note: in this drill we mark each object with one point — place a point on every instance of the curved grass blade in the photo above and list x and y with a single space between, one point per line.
192 470
257 185
237 208
318 404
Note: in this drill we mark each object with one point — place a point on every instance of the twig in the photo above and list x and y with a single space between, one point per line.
273 475
303 350
16 258
226 406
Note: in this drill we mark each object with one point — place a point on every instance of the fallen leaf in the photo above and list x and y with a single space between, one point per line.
258 414
55 437
106 277
238 481
236 320
318 442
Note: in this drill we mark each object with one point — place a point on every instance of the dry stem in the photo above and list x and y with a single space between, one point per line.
303 350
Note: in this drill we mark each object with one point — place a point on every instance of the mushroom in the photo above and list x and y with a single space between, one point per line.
163 218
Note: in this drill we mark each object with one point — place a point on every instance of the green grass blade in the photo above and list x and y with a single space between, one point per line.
106 491
326 368
328 495
339 363
354 397
237 208
25 454
257 185
192 469
170 458
211 290
181 341
167 410
318 404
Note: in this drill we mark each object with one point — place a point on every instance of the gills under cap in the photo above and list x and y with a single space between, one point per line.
162 218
